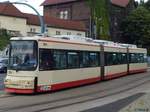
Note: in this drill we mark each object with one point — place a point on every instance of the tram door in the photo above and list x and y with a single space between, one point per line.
45 69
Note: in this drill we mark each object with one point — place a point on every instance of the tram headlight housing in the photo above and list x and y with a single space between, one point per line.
21 83
7 81
27 83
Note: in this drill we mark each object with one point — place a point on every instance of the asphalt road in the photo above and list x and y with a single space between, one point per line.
2 76
98 97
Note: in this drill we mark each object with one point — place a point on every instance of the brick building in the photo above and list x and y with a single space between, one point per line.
79 10
119 10
68 9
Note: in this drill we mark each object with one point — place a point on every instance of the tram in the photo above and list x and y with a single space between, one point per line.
41 64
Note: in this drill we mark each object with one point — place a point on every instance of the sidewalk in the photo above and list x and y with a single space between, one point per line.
142 104
2 92
118 106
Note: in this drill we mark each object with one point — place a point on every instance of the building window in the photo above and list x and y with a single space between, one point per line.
115 21
68 33
14 33
58 33
63 14
47 30
32 30
79 34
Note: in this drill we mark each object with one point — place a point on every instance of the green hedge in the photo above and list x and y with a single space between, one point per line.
4 38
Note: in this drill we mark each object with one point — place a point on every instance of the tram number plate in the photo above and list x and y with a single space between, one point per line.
45 88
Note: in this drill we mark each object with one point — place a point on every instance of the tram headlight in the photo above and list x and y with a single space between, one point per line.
27 83
7 81
20 83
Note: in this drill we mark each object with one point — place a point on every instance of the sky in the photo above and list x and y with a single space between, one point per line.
35 3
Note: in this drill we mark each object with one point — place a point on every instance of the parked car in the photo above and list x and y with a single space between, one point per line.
3 64
148 59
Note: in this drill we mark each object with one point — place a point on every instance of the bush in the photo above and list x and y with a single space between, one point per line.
4 38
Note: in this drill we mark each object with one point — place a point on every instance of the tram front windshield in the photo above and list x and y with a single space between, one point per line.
23 55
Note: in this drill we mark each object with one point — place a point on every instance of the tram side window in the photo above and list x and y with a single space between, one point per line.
108 58
134 58
140 58
93 59
115 58
119 56
60 58
46 59
123 58
73 59
145 58
111 59
137 58
84 59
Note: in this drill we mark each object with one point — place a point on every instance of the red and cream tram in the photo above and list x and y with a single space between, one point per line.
40 64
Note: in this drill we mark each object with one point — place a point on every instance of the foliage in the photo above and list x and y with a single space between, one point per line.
147 5
4 38
99 13
136 28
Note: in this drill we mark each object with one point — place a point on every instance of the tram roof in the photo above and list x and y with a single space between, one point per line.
78 40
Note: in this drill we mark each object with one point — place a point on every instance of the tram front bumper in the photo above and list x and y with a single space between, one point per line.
18 85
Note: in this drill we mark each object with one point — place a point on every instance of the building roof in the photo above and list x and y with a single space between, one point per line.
121 3
54 2
10 10
55 22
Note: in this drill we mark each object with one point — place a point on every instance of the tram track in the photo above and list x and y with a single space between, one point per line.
6 95
134 80
90 96
92 99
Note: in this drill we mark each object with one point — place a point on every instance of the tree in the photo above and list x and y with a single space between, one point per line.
4 38
136 28
99 14
141 2
147 5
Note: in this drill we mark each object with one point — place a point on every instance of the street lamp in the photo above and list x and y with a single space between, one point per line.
40 17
